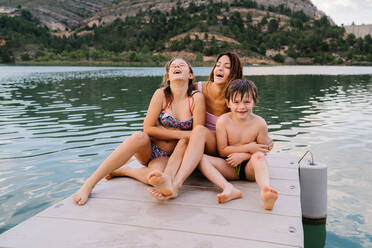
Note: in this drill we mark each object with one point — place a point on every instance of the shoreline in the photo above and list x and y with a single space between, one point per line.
161 64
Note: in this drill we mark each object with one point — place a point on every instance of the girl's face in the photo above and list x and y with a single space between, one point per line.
179 70
222 70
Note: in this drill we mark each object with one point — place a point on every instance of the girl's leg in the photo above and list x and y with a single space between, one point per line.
163 180
142 174
201 138
216 169
139 143
257 169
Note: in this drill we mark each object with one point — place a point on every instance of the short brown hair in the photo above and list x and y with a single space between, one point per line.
242 87
236 68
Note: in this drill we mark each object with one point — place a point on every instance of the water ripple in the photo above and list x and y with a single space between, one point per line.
57 126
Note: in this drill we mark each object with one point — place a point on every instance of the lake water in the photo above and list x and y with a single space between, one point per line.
58 123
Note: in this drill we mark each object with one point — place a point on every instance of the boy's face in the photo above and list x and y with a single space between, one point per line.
241 107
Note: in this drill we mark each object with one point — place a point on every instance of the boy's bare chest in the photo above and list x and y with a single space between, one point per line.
237 134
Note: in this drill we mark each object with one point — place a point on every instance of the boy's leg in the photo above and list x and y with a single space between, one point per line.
216 169
139 143
258 170
163 180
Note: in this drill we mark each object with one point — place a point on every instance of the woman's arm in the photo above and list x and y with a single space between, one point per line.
150 123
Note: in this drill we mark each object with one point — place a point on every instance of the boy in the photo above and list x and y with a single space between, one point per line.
243 138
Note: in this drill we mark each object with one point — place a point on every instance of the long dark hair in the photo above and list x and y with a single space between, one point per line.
236 67
166 82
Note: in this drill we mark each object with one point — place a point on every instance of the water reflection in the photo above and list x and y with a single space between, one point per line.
57 127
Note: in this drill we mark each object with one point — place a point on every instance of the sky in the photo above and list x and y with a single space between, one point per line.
347 11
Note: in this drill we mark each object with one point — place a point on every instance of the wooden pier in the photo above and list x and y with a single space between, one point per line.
121 213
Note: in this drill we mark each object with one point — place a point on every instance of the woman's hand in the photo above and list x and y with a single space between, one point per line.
234 159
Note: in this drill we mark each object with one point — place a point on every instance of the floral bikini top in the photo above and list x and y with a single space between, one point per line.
168 120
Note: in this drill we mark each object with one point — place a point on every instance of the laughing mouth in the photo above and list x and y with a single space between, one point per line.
219 75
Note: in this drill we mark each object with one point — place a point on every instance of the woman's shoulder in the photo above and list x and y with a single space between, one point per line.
199 85
199 82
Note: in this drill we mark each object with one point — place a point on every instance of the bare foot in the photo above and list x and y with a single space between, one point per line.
161 182
269 197
157 195
228 194
121 172
81 196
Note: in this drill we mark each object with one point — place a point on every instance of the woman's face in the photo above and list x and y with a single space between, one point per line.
222 70
179 70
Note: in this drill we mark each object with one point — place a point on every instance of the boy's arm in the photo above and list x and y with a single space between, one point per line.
263 135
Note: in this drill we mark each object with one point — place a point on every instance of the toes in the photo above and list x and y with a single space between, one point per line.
76 198
157 195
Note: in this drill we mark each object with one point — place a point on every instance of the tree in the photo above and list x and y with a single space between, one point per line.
350 39
278 58
273 26
197 44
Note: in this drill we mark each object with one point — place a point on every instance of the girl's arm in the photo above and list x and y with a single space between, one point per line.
150 123
198 109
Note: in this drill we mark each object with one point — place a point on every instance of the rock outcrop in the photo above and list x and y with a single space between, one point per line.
67 14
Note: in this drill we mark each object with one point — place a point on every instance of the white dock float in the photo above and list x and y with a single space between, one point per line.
121 213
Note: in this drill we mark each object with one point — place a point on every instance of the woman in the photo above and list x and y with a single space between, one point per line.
203 138
174 110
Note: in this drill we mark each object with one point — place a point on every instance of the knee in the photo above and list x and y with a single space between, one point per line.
183 142
140 138
202 164
257 156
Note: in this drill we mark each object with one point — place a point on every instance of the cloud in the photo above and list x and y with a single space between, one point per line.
347 11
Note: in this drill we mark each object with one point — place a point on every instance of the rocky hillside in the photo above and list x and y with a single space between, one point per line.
59 14
64 15
144 32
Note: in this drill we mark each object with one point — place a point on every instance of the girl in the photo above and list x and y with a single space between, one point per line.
174 110
203 138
